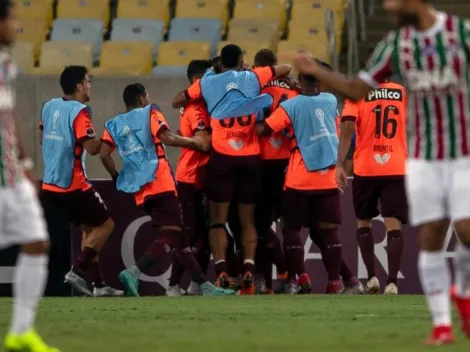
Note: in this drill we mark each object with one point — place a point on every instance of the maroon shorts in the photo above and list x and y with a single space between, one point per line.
83 207
193 205
308 208
164 209
388 191
232 177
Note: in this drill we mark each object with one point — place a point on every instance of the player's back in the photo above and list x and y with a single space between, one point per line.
381 148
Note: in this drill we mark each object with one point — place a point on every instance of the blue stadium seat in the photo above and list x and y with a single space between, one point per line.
79 30
146 30
196 29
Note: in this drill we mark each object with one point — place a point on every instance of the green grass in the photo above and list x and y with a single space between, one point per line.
262 323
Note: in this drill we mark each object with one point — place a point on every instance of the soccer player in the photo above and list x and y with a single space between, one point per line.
67 133
191 178
234 165
139 135
379 173
311 197
430 50
22 222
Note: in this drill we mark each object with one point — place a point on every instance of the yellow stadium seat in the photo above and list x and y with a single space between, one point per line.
56 55
23 56
32 31
287 50
89 9
180 53
250 48
35 10
314 11
305 33
261 9
252 29
124 57
144 9
203 9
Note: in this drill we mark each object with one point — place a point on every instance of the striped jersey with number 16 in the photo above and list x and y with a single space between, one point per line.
434 65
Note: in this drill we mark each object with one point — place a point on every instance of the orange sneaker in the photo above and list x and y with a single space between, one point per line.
441 335
248 286
284 276
269 291
222 280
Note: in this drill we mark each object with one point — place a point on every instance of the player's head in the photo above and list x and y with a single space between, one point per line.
197 68
405 12
265 57
231 58
135 96
310 84
215 61
9 23
75 83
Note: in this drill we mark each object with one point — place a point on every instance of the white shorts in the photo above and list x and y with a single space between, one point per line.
438 190
21 216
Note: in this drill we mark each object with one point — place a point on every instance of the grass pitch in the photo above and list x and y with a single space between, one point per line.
225 324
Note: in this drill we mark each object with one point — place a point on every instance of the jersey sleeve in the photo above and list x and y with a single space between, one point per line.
157 122
350 110
380 65
106 138
198 118
194 91
83 127
279 120
264 74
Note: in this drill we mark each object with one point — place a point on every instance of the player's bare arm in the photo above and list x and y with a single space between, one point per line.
180 100
282 70
105 155
345 139
173 140
92 146
354 89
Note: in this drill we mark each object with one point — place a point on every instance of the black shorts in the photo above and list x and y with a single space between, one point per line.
193 205
308 208
233 175
164 209
83 207
389 192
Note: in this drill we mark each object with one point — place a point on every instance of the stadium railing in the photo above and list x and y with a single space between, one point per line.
355 17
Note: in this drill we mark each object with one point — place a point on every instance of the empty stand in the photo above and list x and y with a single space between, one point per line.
287 50
261 9
87 9
144 9
196 30
250 48
23 56
304 32
255 30
79 30
125 58
218 9
314 12
180 53
32 31
35 10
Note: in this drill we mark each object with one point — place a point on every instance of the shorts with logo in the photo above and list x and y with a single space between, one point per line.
233 175
164 209
83 207
438 190
308 208
22 220
385 192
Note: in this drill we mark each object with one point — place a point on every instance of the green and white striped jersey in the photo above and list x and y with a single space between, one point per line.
435 68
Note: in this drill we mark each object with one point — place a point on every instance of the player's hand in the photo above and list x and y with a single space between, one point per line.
341 178
201 143
304 63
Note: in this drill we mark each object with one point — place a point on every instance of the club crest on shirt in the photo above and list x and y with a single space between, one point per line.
231 86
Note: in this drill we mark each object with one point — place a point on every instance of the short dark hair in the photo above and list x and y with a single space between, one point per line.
71 76
5 6
215 61
230 55
196 68
265 57
132 93
313 79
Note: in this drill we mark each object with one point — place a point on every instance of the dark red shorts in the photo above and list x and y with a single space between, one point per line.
388 193
308 208
229 176
83 207
193 205
164 209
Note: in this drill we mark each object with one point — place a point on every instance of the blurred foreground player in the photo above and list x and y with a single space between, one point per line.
139 135
430 51
22 222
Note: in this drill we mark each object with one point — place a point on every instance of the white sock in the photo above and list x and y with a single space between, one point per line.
28 288
462 271
434 275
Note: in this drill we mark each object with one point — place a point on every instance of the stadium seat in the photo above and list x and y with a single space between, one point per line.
314 11
79 30
217 9
32 31
88 9
252 29
250 48
126 58
145 9
261 9
35 10
305 33
288 49
196 30
146 30
56 55
23 56
180 53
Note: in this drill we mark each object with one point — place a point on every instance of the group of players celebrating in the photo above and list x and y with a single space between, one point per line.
259 146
